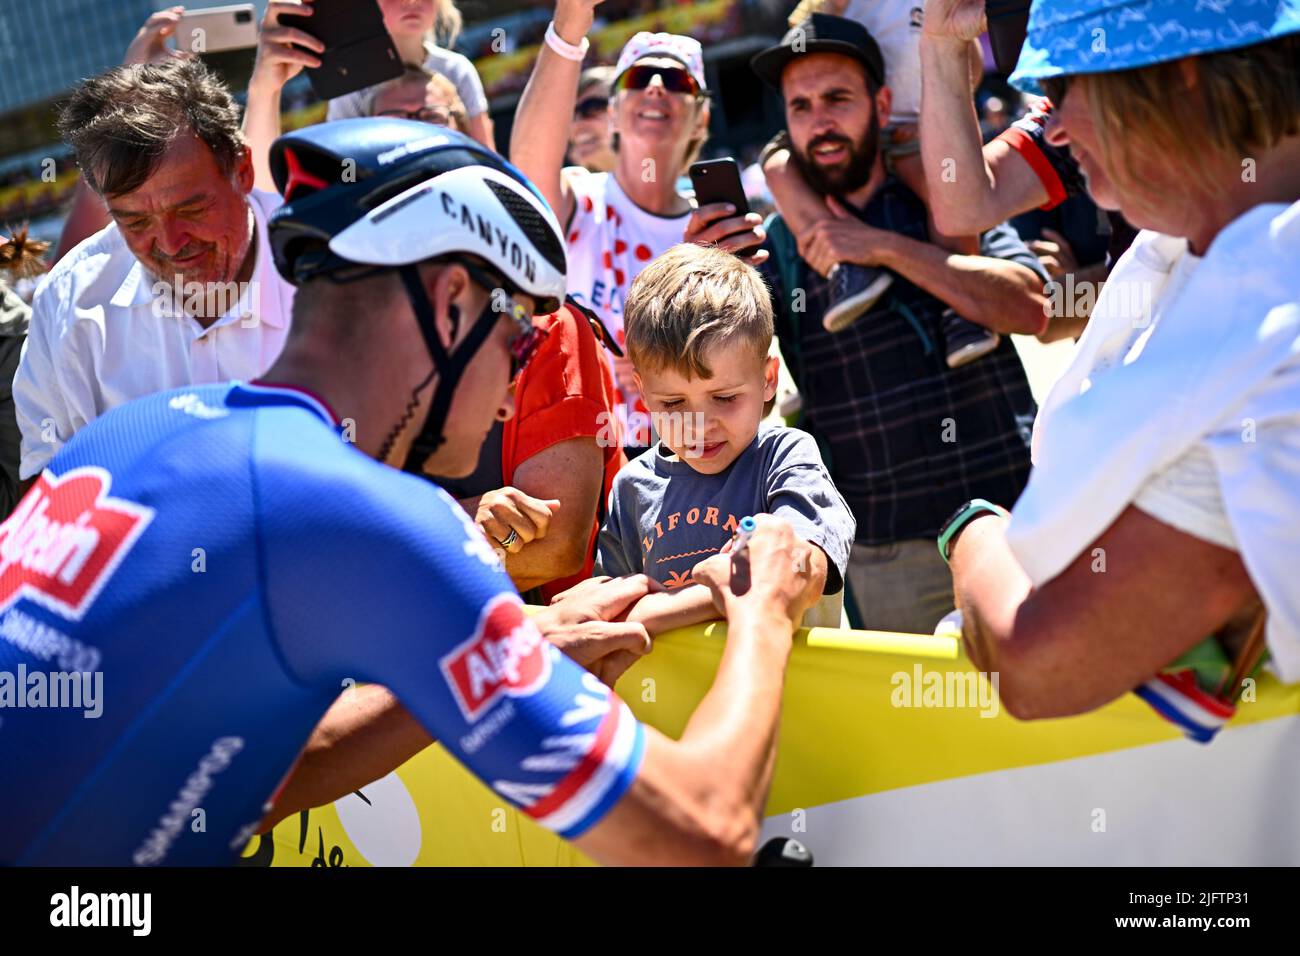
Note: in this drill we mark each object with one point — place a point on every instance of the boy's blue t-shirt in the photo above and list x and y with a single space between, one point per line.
664 517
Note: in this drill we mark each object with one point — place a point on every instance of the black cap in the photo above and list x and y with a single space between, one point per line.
821 33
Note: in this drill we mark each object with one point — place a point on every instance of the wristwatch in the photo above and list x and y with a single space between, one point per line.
962 517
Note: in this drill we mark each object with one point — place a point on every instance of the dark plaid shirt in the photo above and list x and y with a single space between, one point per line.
906 438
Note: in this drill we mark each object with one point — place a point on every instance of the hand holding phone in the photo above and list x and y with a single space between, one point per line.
358 52
739 231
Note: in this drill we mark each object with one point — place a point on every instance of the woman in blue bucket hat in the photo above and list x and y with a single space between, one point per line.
1164 505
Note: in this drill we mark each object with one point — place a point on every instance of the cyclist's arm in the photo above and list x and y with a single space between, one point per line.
365 735
406 593
700 799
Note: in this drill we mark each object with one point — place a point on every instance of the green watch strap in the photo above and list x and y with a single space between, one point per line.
962 517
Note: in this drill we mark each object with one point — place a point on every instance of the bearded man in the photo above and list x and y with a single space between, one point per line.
907 439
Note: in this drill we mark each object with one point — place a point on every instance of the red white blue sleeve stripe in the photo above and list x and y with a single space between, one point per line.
601 765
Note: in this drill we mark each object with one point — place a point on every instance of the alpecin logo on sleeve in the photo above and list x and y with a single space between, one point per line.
65 540
505 655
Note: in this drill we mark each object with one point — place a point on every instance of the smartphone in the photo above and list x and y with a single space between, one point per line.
1007 20
718 180
217 29
358 50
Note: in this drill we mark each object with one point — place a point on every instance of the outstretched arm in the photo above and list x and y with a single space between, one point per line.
972 187
699 800
540 136
278 61
1083 639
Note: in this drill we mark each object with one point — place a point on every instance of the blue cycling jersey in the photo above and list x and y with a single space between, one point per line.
192 582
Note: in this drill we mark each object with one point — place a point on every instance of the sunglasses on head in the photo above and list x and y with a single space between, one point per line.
675 79
591 107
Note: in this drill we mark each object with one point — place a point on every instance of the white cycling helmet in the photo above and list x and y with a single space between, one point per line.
377 194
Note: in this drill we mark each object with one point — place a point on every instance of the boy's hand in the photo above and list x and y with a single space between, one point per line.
278 58
718 225
772 575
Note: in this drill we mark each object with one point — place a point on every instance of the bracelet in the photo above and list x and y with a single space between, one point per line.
962 517
563 47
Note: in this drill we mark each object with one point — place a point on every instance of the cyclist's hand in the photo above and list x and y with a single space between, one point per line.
772 573
606 648
597 599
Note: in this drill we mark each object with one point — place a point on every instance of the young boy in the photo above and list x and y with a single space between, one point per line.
698 325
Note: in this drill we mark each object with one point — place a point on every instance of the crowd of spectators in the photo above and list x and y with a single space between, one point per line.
913 234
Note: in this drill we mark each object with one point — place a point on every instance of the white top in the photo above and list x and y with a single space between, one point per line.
1185 494
101 336
1183 399
454 66
896 26
610 240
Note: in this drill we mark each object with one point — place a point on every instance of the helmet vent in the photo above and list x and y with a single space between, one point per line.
534 225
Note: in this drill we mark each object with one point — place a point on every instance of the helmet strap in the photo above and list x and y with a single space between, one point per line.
449 365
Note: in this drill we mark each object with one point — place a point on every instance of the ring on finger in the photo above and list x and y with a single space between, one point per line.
510 539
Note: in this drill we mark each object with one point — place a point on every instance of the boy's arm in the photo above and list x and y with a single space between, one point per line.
613 557
661 611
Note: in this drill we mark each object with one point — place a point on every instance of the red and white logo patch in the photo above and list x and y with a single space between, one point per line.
505 655
65 540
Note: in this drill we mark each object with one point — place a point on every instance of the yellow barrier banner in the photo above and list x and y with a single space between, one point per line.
892 750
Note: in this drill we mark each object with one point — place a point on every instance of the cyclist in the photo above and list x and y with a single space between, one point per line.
209 566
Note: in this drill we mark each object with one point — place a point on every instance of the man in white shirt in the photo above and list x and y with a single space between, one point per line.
179 289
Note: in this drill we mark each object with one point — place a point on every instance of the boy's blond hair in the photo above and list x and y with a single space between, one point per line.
690 298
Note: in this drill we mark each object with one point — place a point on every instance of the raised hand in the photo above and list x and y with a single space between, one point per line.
279 58
954 19
149 45
573 19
